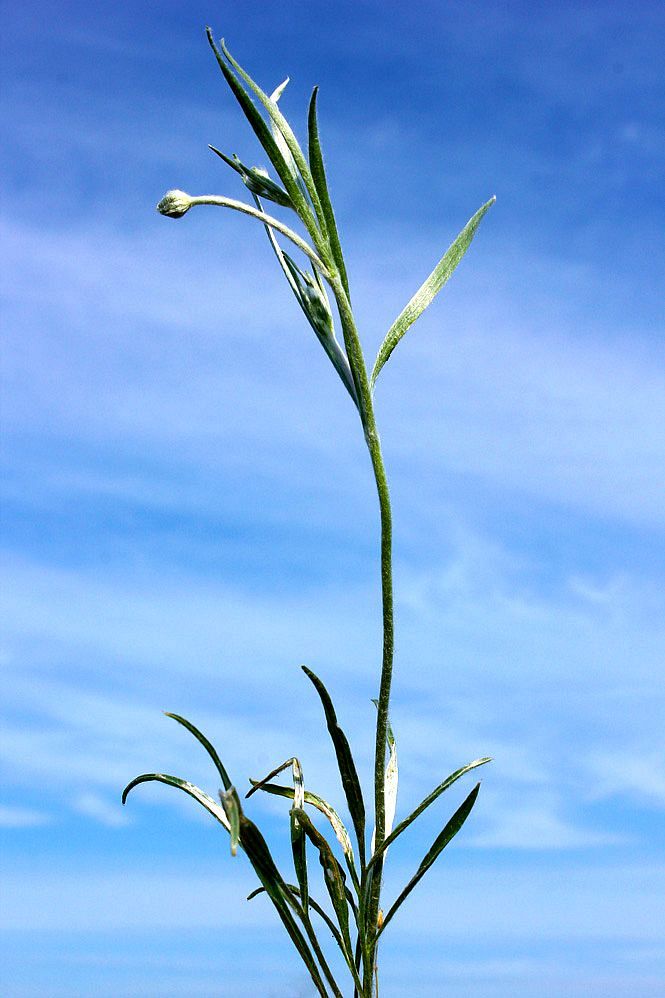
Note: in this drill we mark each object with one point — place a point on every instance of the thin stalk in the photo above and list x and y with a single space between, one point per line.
274 223
366 409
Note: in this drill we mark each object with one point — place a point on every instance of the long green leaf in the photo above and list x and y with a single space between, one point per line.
320 182
265 137
450 830
333 876
425 294
347 767
189 788
259 856
435 794
286 131
325 808
208 746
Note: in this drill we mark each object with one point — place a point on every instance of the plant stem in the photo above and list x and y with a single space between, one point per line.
366 409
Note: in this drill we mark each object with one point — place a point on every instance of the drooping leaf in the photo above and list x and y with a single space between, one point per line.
345 763
450 830
208 746
231 805
320 182
428 291
435 794
265 137
189 788
325 808
298 785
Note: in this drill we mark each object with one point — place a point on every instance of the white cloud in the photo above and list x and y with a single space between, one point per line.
22 817
100 809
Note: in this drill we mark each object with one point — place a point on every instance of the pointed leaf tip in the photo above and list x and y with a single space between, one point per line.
429 289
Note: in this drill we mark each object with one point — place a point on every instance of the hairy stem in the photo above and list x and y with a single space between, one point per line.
366 408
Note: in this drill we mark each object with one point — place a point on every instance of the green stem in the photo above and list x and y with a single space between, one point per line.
366 409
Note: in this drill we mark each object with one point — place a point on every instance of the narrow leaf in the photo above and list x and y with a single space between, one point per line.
425 294
264 866
256 180
435 794
265 137
450 830
314 303
321 184
297 777
333 876
325 808
286 131
298 841
189 788
208 746
347 766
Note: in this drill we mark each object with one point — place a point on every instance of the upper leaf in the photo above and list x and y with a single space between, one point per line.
321 184
428 291
443 838
434 795
208 746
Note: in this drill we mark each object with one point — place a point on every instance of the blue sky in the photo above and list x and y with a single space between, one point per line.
189 511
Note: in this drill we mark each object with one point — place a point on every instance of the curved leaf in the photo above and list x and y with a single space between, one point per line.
325 808
428 291
208 746
189 788
449 832
347 766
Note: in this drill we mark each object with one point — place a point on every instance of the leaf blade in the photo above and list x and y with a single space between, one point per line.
208 746
189 788
429 289
424 804
265 137
321 183
449 831
326 809
286 131
345 763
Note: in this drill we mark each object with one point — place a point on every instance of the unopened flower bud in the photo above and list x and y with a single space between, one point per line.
175 204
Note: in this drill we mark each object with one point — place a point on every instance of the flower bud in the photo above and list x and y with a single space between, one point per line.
175 204
257 180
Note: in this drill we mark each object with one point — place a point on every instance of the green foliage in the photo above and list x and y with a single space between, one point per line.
354 919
